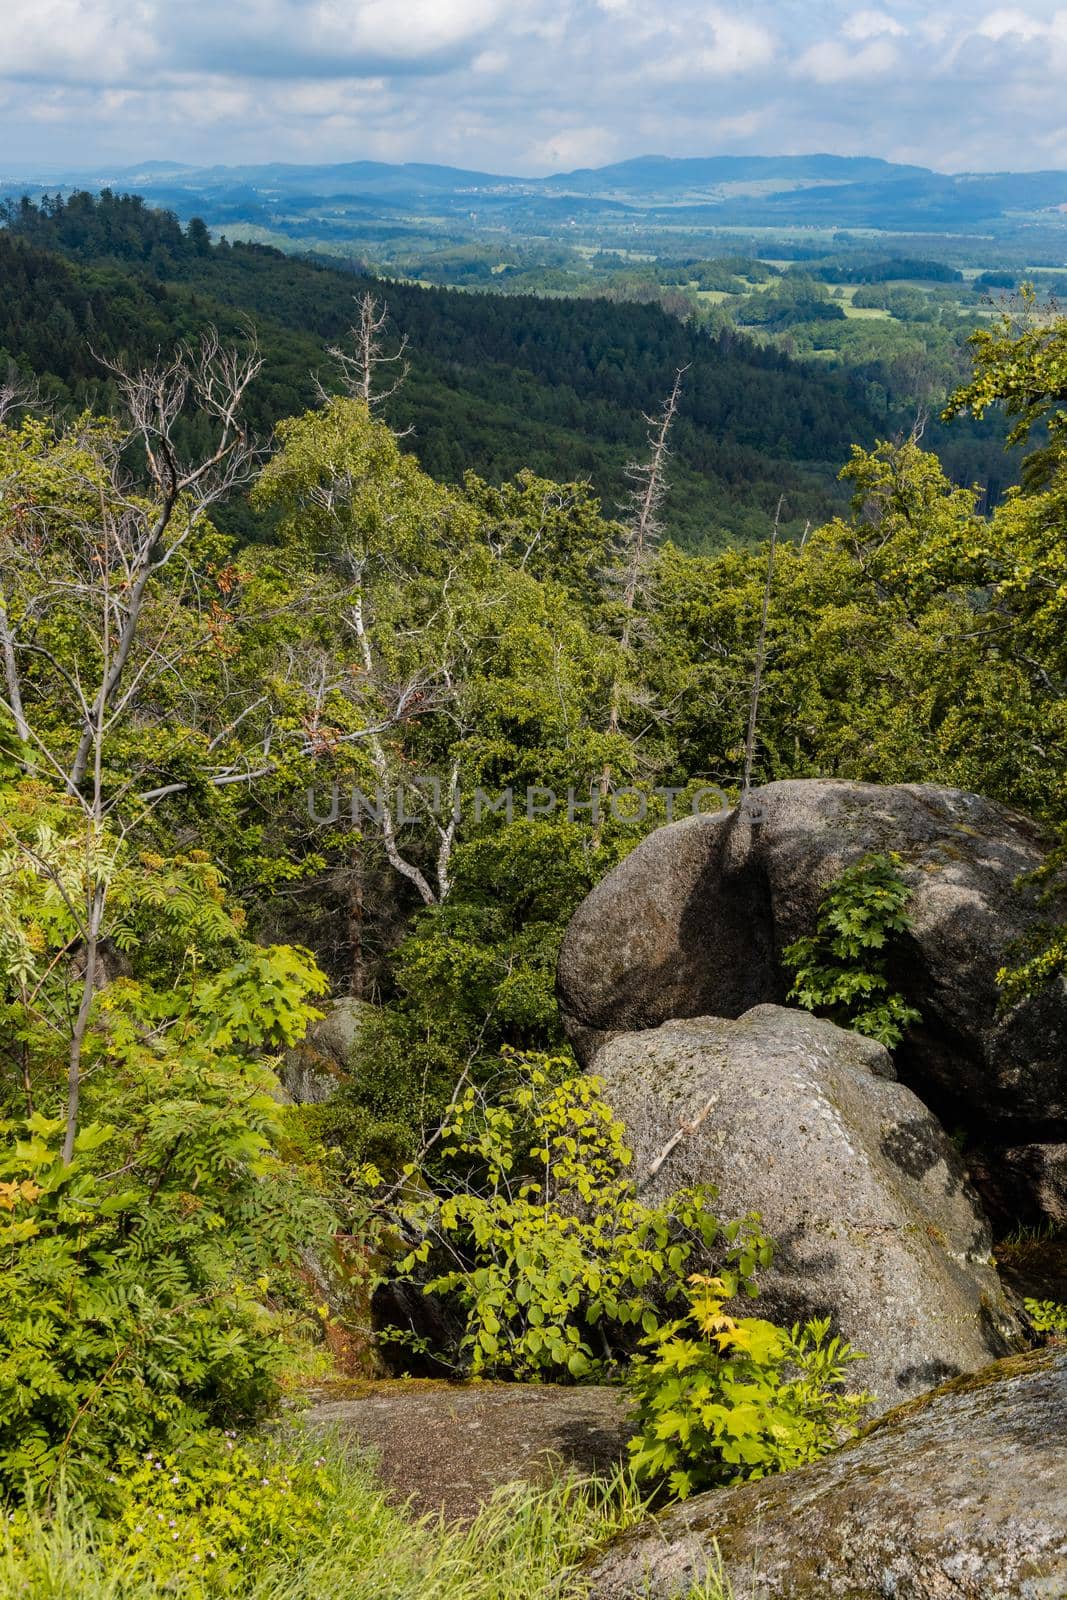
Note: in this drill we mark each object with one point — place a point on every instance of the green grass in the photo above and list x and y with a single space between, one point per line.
526 1544
1030 1237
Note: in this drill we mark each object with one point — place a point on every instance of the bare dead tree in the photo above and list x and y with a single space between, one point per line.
125 536
12 678
369 370
120 537
642 532
18 393
141 534
761 655
372 372
415 698
97 556
357 572
114 552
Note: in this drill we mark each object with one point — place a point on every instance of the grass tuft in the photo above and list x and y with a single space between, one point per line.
527 1543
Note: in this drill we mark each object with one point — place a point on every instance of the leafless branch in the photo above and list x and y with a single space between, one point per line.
761 653
641 534
363 364
18 393
683 1130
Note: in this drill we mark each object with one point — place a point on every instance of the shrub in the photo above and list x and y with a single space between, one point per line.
554 1259
298 1520
721 1400
201 1519
136 1302
131 1315
1047 1316
842 968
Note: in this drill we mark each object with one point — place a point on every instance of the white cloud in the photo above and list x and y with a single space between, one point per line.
1011 24
871 25
403 28
69 40
832 62
490 61
571 148
723 45
528 85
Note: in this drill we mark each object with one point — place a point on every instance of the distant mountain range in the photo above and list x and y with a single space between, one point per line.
744 191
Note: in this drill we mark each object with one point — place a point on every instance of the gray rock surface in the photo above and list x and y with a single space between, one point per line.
447 1446
1037 1170
959 1496
694 921
311 1071
856 1182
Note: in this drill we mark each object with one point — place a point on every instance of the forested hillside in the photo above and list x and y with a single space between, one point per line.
308 757
495 385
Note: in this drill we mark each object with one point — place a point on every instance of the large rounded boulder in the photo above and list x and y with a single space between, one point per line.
694 922
856 1182
959 1496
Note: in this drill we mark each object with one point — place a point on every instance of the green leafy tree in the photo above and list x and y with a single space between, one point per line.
136 1257
1020 362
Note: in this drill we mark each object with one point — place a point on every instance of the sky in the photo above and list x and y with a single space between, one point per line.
529 86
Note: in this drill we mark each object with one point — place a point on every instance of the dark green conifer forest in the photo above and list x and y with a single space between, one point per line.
496 383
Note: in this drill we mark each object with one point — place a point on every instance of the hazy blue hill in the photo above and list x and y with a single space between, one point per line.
925 200
782 191
654 174
363 177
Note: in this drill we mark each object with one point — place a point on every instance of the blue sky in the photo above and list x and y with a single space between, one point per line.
529 86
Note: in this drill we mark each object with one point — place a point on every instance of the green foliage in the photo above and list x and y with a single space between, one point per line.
842 968
1021 362
498 384
560 1260
723 1399
136 1302
387 626
1047 1316
194 1518
300 1519
1042 958
1047 963
478 972
791 300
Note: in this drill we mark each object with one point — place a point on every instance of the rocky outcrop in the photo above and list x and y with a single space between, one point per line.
694 922
447 1446
959 1496
311 1070
858 1185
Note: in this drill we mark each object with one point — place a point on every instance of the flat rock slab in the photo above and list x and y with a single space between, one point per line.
446 1446
960 1495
